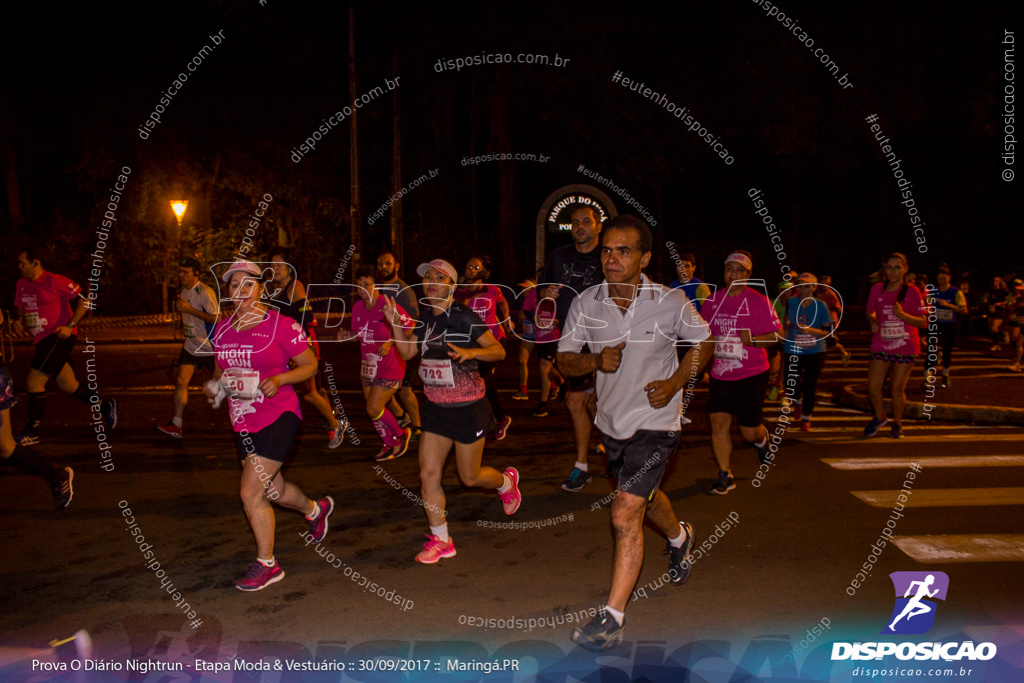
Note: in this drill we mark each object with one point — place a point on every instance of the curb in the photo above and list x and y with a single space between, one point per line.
164 332
993 415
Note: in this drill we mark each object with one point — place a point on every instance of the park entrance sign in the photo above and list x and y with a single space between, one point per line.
555 218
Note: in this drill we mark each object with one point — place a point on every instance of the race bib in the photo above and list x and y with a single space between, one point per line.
241 383
729 349
527 328
368 369
893 331
806 341
32 323
187 331
944 314
437 372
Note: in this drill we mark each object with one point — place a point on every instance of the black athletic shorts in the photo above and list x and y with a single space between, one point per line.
548 351
52 353
204 362
273 441
639 462
463 424
583 382
743 398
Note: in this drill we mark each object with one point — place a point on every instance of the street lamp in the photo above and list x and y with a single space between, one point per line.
178 206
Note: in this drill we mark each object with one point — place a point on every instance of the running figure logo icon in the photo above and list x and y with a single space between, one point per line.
916 592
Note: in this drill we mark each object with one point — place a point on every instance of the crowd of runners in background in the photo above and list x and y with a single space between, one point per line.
615 347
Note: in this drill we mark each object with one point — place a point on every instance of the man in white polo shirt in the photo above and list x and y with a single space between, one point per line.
631 324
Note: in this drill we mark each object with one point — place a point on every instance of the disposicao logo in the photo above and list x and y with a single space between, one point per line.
916 595
914 613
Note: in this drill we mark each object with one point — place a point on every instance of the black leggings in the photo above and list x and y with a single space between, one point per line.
487 373
808 368
947 335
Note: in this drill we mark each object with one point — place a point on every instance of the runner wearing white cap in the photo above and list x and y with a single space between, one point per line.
452 340
253 349
744 323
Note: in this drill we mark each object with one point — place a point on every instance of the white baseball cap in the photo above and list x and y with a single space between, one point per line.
243 266
741 259
441 265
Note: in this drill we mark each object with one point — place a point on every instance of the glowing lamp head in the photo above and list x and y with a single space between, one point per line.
178 206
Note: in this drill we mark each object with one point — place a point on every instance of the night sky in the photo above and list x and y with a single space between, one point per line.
82 79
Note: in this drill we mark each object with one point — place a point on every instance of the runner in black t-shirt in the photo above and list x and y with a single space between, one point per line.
575 267
290 300
452 340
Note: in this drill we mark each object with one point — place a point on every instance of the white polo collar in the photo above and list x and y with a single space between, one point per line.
645 286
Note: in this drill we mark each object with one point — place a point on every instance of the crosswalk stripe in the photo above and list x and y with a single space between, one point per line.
940 549
930 498
958 362
833 418
925 462
885 440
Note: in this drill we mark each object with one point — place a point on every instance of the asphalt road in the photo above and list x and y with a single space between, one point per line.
785 564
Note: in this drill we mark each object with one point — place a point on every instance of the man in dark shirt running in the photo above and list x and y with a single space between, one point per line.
573 268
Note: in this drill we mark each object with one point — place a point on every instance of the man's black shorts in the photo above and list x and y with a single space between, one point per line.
583 382
52 353
639 462
204 362
743 398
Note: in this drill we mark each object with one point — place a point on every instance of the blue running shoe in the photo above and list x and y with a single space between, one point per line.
874 426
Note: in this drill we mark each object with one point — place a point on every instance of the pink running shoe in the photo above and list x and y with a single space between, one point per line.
435 549
511 499
260 576
318 526
501 431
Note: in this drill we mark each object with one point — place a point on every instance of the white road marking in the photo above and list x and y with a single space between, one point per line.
925 462
884 439
941 549
932 498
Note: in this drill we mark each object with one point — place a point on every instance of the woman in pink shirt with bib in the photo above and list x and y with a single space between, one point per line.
381 368
253 349
895 311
